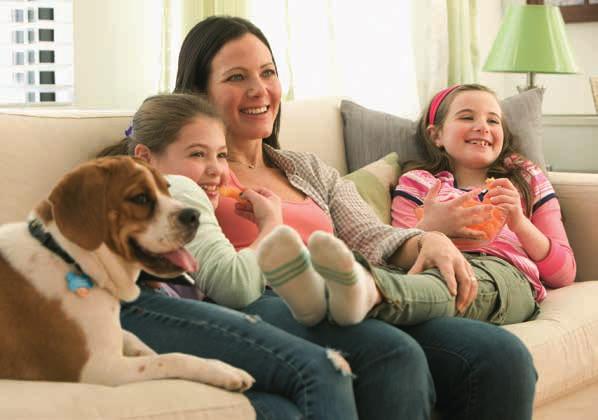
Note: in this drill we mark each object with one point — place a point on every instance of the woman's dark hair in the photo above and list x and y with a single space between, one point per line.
157 122
200 46
437 159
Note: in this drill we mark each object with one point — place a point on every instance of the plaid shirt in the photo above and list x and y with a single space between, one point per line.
354 221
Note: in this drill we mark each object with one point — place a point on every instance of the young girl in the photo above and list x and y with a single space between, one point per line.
181 134
465 137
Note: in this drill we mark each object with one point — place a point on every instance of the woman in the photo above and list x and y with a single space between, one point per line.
472 364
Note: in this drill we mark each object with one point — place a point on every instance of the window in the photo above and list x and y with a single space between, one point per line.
18 78
46 35
46 78
45 13
18 37
46 56
17 15
47 96
18 58
38 51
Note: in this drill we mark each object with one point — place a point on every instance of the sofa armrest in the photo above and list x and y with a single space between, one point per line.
578 197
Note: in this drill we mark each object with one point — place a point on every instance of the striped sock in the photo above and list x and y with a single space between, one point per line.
285 262
351 290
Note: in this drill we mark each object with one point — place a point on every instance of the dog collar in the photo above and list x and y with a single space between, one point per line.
77 282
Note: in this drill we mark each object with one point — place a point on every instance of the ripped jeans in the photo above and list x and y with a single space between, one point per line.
295 379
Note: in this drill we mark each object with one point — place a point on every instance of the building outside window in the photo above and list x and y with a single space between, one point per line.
36 52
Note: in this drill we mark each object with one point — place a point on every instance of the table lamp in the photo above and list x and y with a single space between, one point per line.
531 40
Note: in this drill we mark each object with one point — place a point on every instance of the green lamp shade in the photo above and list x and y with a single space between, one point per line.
532 38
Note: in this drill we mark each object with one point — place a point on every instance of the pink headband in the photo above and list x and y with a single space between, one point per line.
437 100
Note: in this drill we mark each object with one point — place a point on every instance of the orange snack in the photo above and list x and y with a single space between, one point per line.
231 192
490 227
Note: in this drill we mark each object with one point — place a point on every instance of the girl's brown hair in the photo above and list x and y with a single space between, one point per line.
157 122
437 159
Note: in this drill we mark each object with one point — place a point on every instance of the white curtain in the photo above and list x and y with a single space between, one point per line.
347 48
431 47
389 55
179 16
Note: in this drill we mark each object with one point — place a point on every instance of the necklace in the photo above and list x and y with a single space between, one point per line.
249 165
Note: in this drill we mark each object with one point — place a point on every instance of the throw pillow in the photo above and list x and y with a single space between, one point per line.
371 134
374 183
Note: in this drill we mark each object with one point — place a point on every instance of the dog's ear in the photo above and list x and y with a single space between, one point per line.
79 205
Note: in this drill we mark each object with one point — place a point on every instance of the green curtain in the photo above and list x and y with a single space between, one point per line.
189 13
464 53
196 10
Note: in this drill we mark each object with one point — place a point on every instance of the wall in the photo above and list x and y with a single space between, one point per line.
117 52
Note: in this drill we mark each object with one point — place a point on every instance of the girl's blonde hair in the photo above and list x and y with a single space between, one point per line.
157 122
437 159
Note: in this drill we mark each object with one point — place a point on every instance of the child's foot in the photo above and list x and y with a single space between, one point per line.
351 289
285 262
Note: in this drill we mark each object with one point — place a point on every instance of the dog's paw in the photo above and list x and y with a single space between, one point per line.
228 377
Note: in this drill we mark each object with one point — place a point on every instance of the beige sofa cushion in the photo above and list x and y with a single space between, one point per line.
563 340
59 140
155 400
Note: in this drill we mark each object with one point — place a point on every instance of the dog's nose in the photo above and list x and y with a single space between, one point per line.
189 218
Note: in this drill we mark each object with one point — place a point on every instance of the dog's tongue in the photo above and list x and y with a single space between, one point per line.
181 258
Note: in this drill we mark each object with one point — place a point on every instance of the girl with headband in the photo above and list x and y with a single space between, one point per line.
467 142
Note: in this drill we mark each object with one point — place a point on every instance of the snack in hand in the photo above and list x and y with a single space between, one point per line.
490 227
232 192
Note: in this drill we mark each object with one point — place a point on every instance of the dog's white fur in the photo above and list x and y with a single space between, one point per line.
113 356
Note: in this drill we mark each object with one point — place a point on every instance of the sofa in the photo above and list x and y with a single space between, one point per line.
39 145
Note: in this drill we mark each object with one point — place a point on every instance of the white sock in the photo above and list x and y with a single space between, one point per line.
285 262
351 289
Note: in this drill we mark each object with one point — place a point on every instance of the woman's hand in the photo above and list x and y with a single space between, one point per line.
503 194
263 208
438 251
450 217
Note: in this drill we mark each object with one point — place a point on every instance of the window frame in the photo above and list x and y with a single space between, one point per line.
577 13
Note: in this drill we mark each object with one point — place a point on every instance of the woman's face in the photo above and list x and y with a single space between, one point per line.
199 153
244 88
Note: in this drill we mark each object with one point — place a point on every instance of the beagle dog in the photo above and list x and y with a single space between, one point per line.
63 274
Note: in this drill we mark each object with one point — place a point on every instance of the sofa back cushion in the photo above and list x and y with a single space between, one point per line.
369 134
314 126
40 146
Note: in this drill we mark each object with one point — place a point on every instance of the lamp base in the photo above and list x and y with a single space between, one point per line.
531 83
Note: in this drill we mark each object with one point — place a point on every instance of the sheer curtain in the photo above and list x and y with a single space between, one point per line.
389 55
178 17
464 54
347 48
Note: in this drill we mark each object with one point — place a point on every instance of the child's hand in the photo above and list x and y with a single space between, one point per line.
502 193
451 217
261 206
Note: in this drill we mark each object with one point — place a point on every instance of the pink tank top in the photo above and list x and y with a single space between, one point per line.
305 217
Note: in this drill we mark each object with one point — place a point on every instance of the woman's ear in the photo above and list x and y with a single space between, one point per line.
142 152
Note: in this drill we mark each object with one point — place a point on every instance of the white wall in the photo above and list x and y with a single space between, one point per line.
117 52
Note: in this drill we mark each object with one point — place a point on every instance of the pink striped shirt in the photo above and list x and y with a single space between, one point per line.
557 269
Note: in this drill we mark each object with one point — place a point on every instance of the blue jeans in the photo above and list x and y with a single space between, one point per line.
392 378
294 378
479 371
